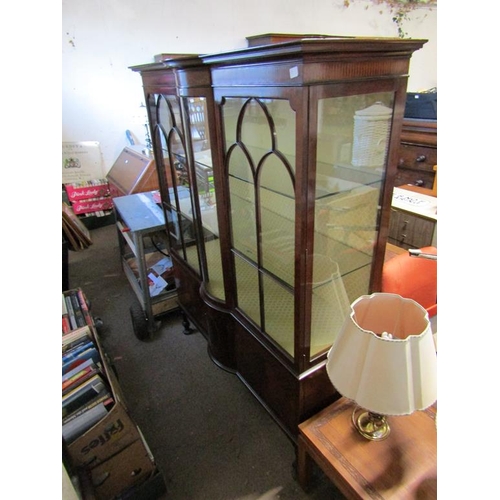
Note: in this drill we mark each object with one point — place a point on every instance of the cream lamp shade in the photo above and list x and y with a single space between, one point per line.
384 357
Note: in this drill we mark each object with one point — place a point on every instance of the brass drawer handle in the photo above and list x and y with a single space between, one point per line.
421 158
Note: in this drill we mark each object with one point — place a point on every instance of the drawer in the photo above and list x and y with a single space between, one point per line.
410 231
417 157
416 165
406 176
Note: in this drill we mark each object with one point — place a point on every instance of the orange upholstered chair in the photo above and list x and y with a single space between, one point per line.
414 278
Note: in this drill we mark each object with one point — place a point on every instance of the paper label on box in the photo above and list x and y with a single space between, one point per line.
87 206
91 189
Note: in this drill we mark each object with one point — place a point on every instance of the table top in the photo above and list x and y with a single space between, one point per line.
139 212
404 465
415 201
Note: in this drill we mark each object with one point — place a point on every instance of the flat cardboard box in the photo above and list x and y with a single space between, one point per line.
106 438
131 466
153 487
109 436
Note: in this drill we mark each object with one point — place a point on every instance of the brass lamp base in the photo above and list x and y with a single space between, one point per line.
370 425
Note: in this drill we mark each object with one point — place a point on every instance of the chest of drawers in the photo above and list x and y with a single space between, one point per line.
407 230
417 153
413 221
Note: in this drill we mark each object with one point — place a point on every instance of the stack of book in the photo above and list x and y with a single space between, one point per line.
102 445
76 233
75 311
86 394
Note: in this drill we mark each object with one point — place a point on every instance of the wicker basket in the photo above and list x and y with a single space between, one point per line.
371 135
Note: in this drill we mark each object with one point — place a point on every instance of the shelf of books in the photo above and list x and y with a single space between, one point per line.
104 447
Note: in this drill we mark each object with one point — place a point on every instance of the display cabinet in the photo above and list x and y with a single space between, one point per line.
286 155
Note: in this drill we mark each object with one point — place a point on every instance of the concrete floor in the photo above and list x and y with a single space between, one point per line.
210 437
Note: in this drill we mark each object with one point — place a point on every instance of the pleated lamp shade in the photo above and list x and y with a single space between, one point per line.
387 376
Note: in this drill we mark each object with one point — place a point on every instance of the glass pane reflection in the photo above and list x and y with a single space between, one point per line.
351 156
260 157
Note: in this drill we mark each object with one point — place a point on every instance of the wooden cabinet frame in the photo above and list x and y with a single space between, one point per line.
292 385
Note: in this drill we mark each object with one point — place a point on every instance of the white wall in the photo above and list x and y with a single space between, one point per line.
101 97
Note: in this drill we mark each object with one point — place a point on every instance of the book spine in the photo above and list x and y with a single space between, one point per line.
87 375
77 334
66 326
80 377
75 428
85 307
83 356
76 343
74 401
95 383
80 320
82 366
71 313
107 399
74 353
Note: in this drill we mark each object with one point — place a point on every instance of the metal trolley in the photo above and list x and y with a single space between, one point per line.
142 240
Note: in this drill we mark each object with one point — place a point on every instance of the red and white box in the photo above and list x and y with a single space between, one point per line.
77 193
92 205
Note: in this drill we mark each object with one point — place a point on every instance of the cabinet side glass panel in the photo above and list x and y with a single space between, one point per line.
260 158
351 156
176 199
203 176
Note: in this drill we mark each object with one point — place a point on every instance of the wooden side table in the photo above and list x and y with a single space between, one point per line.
403 466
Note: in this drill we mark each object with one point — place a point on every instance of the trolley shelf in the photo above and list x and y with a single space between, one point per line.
140 225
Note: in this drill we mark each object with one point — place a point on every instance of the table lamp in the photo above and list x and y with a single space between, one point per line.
384 359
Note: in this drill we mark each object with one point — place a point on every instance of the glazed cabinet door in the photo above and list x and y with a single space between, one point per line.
305 200
349 159
199 173
181 114
170 150
181 141
260 163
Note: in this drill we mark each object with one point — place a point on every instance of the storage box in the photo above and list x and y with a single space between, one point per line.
91 221
92 205
131 466
76 193
106 438
110 435
153 487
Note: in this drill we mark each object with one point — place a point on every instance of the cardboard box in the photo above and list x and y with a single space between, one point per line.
131 466
109 436
92 205
99 190
153 487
